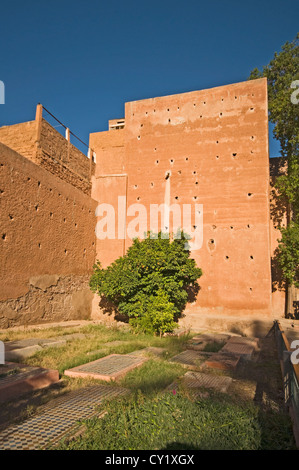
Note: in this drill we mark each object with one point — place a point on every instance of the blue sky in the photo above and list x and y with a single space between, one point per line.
84 59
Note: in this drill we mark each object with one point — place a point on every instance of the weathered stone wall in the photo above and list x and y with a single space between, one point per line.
47 244
215 145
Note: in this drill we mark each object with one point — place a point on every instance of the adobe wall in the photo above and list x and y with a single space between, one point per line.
21 138
47 244
39 142
215 144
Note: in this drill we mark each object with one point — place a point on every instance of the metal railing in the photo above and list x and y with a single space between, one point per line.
290 375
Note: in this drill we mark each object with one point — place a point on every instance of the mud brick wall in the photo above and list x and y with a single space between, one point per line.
21 138
63 159
214 143
47 244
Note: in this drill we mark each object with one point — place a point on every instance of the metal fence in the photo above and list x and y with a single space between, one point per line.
290 374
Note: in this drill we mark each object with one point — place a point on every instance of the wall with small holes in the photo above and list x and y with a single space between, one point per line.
47 244
211 148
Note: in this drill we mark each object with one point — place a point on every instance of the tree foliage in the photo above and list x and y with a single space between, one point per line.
151 283
282 74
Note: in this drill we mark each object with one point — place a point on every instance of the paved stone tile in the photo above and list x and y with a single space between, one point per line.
111 367
58 419
191 359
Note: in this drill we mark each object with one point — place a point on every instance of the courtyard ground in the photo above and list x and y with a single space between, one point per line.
160 410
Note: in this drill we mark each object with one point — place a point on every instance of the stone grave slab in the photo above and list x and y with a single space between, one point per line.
21 349
109 368
190 359
245 340
17 379
222 361
239 349
195 380
57 419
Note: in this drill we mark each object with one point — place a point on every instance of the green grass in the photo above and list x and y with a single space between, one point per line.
213 347
172 421
151 418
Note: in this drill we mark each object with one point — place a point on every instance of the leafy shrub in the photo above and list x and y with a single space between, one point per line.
151 284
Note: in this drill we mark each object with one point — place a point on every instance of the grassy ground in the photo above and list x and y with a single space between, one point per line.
251 416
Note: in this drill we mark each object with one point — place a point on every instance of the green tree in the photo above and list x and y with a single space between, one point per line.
282 74
152 283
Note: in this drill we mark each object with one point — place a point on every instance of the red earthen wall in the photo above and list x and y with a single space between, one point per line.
47 244
215 144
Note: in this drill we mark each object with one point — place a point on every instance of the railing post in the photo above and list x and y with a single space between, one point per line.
38 121
68 138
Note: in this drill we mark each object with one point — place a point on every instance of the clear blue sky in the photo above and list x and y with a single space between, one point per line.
84 59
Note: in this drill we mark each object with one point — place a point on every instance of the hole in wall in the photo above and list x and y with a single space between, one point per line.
65 251
157 162
217 157
152 184
250 288
220 114
138 198
169 120
248 226
214 227
196 182
51 214
231 227
227 257
176 197
36 207
135 186
138 137
234 155
171 161
76 225
194 172
194 198
251 257
249 194
4 236
39 245
1 191
186 159
64 220
28 179
179 172
38 183
10 216
167 175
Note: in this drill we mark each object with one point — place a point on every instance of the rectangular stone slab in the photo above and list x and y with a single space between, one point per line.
189 358
112 367
222 361
199 380
25 379
239 349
